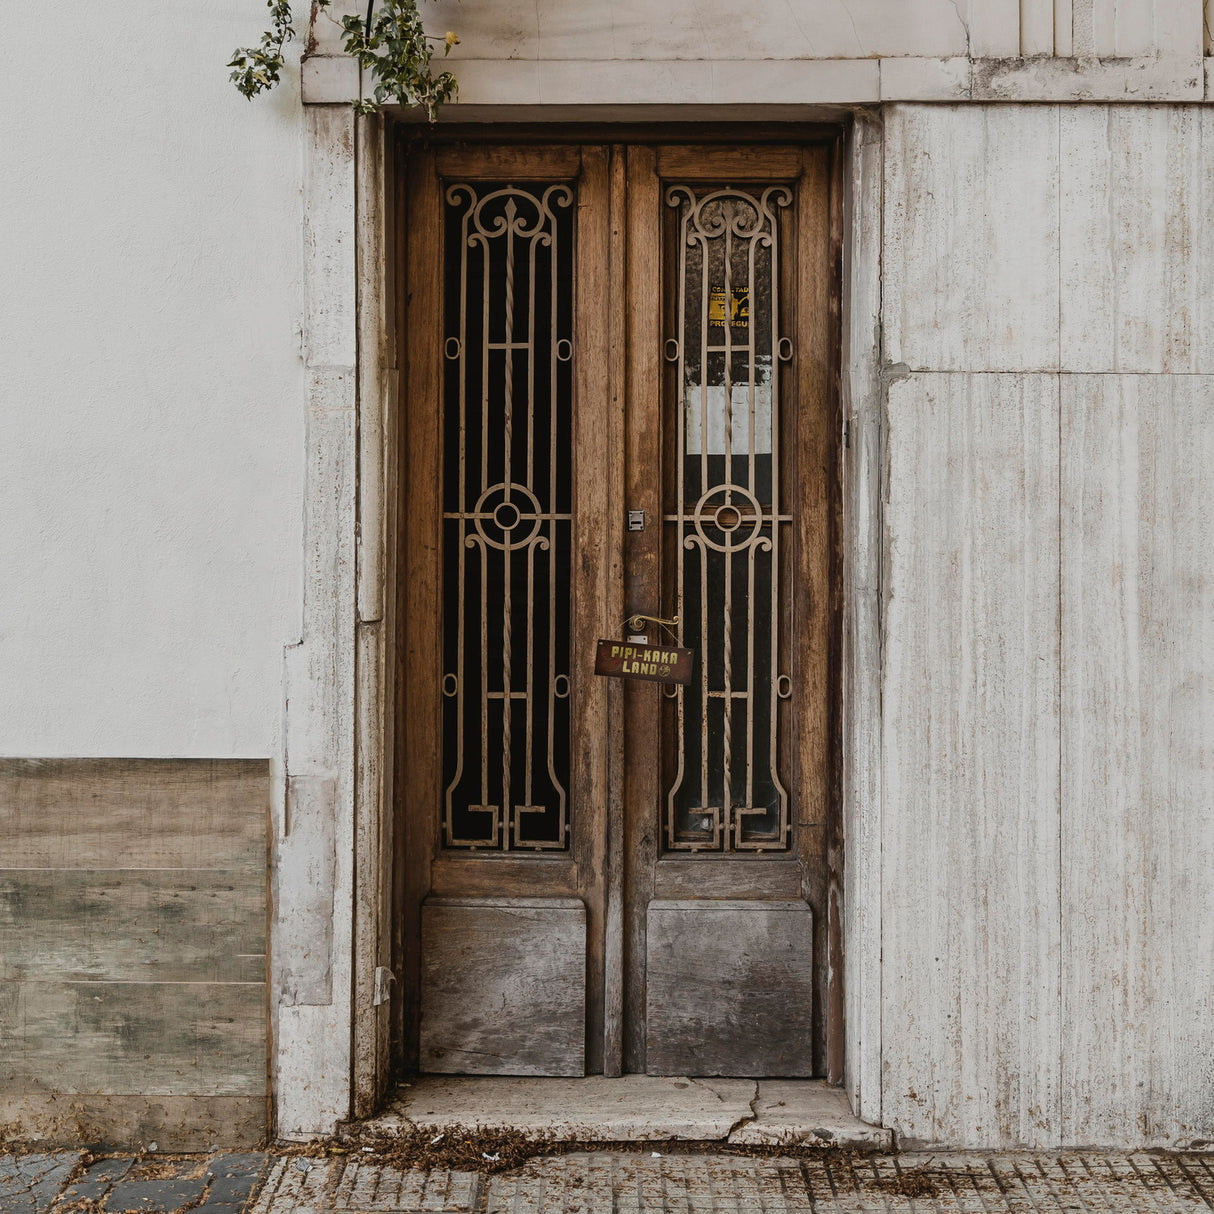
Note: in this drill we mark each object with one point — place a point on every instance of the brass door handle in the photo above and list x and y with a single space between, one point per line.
636 622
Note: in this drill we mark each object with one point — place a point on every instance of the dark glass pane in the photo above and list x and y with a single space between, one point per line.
725 790
507 394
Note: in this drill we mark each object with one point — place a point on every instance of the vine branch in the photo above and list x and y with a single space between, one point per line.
390 45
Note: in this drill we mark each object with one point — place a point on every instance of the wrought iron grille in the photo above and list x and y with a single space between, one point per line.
507 516
725 526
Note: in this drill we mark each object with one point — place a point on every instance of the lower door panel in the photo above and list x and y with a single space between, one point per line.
504 986
730 988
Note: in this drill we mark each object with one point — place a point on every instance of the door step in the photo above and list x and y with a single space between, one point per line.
634 1108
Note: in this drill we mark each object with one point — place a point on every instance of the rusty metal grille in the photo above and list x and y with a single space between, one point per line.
507 506
727 533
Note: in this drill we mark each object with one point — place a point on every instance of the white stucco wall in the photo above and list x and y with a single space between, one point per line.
151 421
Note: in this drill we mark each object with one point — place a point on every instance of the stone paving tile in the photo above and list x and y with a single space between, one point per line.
627 1183
916 1184
29 1184
97 1179
291 1185
159 1187
234 1177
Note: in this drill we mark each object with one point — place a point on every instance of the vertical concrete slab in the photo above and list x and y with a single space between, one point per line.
970 957
1137 773
1137 205
315 835
862 410
971 238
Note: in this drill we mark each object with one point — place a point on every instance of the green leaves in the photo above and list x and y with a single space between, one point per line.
389 44
257 68
394 48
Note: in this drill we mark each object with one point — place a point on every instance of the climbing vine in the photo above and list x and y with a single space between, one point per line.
389 43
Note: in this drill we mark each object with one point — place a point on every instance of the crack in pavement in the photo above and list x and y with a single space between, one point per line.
741 1121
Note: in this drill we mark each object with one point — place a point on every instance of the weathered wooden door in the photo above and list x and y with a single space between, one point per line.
617 403
732 457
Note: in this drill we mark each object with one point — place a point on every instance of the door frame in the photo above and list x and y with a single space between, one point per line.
335 832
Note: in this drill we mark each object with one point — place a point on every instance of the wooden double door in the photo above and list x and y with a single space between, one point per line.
618 421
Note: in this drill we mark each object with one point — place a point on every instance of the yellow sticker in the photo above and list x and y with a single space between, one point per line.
739 307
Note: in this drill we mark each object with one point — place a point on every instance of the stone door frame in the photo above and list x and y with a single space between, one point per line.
332 851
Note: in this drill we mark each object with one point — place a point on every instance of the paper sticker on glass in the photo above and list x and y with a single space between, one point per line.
727 527
507 394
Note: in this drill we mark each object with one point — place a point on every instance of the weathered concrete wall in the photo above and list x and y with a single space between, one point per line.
151 433
692 52
1048 678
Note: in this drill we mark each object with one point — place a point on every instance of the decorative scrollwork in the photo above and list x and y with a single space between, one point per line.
512 513
507 517
738 528
725 793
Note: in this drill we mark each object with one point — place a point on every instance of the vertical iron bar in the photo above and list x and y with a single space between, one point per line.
462 506
484 552
529 711
680 411
781 792
727 623
508 452
752 552
705 306
552 527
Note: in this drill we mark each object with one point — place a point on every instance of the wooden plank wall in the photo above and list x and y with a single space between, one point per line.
133 950
1047 839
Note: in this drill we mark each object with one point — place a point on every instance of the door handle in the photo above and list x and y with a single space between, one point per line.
638 621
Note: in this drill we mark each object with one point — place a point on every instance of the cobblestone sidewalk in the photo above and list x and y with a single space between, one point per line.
602 1183
615 1183
62 1183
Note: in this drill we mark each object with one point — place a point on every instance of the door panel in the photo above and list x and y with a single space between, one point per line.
505 531
507 516
729 987
601 875
742 497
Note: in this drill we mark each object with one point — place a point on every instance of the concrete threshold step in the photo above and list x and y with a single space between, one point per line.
634 1108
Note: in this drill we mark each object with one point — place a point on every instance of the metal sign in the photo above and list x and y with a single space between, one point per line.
645 662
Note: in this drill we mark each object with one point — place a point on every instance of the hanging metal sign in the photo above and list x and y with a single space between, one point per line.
645 662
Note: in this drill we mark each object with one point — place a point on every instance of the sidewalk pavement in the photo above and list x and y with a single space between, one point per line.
614 1182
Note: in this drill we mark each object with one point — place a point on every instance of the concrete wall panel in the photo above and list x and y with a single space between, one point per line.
1047 848
969 919
1137 766
970 263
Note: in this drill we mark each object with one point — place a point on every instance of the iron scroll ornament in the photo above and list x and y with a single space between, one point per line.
507 517
725 792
